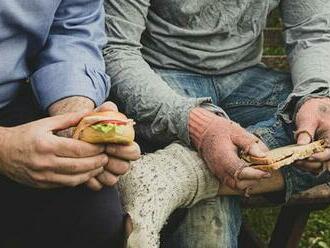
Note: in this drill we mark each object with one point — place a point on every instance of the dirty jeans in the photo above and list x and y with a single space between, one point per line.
252 98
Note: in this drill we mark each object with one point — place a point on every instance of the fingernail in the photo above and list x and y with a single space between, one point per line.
303 139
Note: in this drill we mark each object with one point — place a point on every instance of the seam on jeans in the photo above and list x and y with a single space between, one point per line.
215 89
281 81
250 103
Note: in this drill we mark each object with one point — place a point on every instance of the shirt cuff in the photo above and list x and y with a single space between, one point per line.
214 109
299 96
61 80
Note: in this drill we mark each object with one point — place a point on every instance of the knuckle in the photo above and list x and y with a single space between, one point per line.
99 162
39 164
41 144
39 177
77 151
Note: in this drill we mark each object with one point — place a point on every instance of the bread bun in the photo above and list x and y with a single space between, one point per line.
124 134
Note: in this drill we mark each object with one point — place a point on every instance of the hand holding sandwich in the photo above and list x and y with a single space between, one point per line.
219 142
106 125
33 155
118 155
313 123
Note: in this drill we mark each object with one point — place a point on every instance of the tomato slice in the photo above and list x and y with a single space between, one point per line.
114 122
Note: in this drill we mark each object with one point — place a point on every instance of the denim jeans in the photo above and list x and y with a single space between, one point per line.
252 98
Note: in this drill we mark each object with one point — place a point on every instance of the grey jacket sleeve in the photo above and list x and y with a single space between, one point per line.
307 37
143 94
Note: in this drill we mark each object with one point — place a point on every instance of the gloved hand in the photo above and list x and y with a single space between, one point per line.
219 142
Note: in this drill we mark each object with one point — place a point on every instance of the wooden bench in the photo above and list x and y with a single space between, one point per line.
293 216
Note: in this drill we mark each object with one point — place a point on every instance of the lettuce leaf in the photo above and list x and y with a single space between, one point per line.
107 127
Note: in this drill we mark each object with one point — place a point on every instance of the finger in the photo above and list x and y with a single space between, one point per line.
107 106
306 125
117 166
244 184
93 184
326 165
258 149
72 166
309 165
65 147
126 152
305 137
61 122
68 180
321 156
249 143
239 184
249 173
107 178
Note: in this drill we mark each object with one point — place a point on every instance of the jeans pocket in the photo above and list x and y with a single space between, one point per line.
188 84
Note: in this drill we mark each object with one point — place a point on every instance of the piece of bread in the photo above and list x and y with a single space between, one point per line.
282 156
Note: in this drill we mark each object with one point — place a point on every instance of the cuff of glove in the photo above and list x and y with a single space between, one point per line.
199 120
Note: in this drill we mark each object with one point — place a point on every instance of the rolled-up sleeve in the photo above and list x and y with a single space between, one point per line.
71 63
307 37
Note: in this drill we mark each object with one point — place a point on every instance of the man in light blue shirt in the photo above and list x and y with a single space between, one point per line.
51 65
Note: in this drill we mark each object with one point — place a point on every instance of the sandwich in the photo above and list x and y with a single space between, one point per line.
105 127
286 155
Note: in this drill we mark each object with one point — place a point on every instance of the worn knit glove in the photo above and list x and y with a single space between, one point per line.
219 142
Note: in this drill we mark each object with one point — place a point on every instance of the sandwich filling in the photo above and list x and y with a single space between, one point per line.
115 127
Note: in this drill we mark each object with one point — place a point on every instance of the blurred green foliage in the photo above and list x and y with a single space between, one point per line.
316 235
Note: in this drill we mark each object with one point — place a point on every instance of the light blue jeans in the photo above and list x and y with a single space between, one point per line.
252 98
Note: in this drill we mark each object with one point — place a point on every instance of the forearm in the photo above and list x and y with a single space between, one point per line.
307 36
275 183
71 104
146 97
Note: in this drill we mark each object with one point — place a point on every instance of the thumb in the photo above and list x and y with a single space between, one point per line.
61 122
258 149
250 144
306 127
107 106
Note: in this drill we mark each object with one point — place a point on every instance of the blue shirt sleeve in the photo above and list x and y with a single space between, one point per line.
71 63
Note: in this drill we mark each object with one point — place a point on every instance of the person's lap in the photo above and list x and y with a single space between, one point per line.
72 217
250 97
